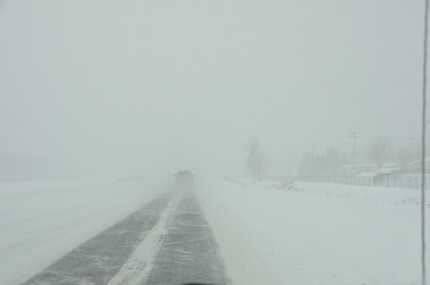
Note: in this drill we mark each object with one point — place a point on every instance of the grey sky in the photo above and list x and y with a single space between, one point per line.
117 88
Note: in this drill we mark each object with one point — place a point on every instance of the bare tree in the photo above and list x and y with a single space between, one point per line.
325 164
257 160
378 150
404 157
417 151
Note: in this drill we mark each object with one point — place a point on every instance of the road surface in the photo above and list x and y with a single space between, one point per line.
166 242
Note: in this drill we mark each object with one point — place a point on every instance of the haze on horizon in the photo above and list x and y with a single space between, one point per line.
111 89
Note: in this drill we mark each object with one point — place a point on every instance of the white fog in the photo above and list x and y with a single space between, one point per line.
101 102
142 87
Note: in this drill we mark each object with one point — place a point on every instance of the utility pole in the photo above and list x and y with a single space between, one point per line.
313 143
313 146
291 164
353 135
281 166
412 148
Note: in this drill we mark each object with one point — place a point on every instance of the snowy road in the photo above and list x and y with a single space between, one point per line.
189 252
218 233
166 242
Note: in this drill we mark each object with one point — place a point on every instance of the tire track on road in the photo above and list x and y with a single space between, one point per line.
140 263
189 252
166 242
98 260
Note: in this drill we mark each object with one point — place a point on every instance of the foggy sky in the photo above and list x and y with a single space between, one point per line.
142 87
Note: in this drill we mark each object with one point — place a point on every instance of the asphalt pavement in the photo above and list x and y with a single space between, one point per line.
189 252
186 250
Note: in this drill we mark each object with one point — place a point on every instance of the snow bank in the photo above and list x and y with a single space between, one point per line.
315 233
378 195
42 221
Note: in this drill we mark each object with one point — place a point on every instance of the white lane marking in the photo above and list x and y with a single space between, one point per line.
137 268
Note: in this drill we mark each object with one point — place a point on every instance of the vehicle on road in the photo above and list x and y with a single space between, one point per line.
184 177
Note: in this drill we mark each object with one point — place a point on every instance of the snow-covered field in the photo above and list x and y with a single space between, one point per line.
42 221
310 233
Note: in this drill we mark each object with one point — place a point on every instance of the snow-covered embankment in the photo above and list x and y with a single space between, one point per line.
309 233
42 221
